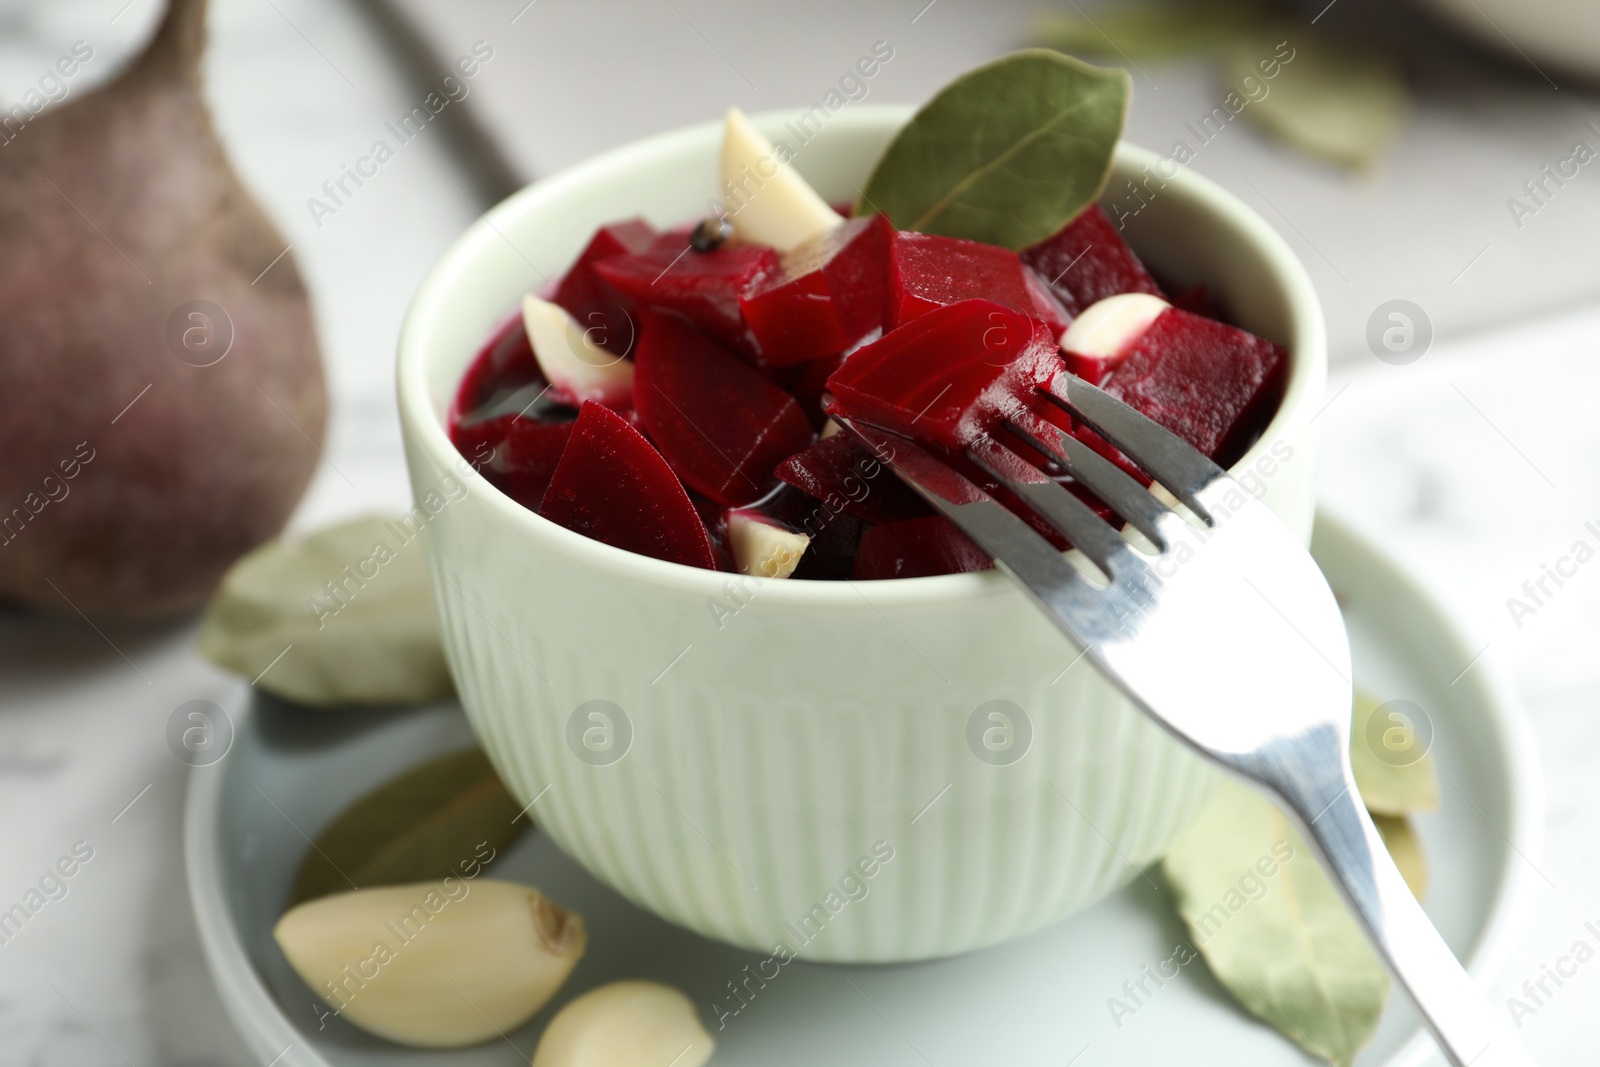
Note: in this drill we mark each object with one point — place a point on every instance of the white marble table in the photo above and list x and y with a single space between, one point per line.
1479 463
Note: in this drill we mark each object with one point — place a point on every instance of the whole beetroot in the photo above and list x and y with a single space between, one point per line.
163 397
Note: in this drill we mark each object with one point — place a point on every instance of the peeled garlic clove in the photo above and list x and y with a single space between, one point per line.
767 200
626 1024
762 548
1108 328
435 964
571 361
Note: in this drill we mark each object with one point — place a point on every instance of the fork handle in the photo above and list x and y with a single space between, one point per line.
1467 1027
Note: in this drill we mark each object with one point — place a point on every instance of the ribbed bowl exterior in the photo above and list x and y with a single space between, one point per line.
815 771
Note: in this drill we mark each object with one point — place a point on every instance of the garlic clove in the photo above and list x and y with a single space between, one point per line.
1108 328
763 549
626 1024
570 361
766 199
435 964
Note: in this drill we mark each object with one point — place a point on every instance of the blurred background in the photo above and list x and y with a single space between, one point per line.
1426 158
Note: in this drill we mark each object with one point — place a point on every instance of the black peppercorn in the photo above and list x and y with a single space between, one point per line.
711 234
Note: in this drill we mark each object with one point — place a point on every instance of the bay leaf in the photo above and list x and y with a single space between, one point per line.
341 617
1405 848
1393 777
1340 102
1007 154
1132 30
1272 927
448 816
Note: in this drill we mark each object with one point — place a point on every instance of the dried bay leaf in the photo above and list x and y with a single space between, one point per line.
1131 30
1394 772
1405 848
1335 101
1283 943
448 816
341 617
1007 154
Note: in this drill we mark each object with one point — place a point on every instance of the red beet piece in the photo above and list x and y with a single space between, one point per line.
927 271
603 311
917 548
527 458
704 287
1210 383
721 425
842 473
1196 298
502 365
477 441
827 295
1087 260
612 486
950 374
807 382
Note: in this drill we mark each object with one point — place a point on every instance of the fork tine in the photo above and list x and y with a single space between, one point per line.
1103 478
1038 566
1157 451
1074 519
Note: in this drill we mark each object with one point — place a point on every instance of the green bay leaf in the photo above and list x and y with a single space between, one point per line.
1007 153
440 818
1149 29
1405 848
1272 927
1341 102
1393 776
274 620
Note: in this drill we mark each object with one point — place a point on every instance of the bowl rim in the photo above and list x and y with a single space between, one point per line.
422 426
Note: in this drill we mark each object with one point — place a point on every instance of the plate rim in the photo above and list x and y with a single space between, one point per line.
263 1026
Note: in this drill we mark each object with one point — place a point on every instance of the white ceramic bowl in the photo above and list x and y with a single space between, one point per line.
761 749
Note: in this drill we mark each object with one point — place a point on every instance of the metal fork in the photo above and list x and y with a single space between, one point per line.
1227 635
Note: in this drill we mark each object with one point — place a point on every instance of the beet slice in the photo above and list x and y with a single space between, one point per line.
604 312
806 382
950 374
1197 298
504 364
1087 260
917 548
479 442
828 294
1212 384
527 458
841 472
703 287
612 486
720 424
927 271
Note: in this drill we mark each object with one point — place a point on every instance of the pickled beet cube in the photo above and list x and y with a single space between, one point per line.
927 271
827 295
501 366
603 311
612 486
1210 383
720 424
526 459
806 382
917 548
841 472
703 287
1087 260
950 374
